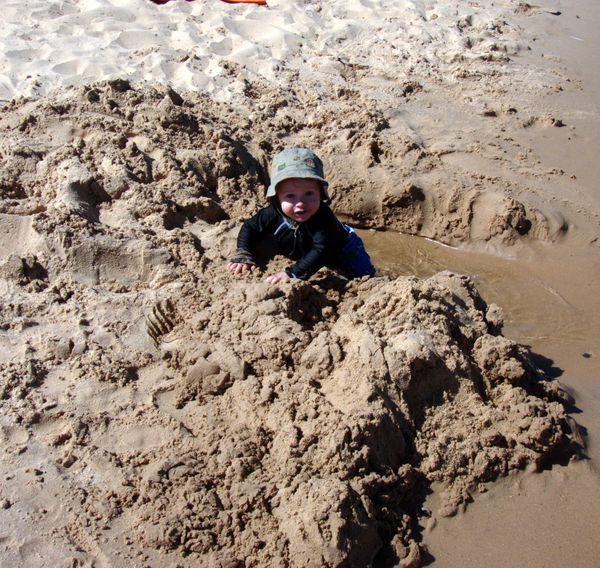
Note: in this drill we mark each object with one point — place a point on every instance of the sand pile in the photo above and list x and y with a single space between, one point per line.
156 410
87 146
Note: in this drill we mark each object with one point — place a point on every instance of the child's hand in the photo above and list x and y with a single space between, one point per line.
278 277
239 267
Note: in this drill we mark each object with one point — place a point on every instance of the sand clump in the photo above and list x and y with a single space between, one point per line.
156 410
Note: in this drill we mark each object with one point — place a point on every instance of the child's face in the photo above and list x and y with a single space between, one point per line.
299 198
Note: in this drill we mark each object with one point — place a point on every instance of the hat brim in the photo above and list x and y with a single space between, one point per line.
272 189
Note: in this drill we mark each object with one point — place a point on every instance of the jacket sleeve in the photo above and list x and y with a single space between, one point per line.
252 231
314 259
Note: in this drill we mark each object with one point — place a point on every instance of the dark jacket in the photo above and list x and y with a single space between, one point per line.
313 244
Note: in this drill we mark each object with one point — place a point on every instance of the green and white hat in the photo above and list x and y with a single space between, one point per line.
296 163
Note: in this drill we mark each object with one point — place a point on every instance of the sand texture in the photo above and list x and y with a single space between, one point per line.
156 411
178 411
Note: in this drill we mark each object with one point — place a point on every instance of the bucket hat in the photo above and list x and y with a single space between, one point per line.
296 163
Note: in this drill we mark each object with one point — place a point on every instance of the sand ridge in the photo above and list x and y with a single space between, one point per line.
382 176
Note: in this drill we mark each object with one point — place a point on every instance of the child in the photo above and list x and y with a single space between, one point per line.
301 224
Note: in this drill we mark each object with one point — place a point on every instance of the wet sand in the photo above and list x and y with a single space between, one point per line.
537 519
550 296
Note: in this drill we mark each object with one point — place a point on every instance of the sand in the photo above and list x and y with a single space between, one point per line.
157 411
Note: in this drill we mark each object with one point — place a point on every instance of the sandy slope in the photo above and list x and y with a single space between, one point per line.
154 411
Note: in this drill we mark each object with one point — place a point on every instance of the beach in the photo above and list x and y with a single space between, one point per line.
156 411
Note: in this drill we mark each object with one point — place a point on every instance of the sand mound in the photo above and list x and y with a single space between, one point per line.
155 410
176 160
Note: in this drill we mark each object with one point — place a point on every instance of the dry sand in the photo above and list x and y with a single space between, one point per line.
157 412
